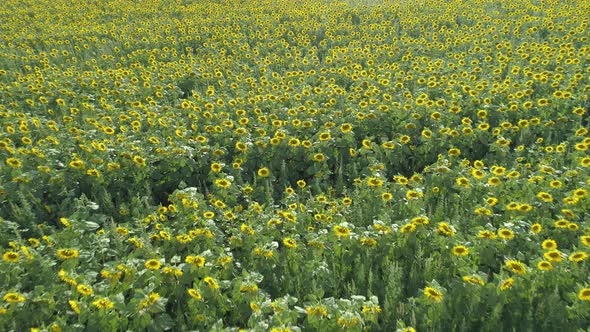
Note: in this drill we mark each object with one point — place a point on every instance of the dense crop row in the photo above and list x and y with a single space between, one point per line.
285 165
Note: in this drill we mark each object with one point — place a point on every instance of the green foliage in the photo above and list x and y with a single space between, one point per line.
294 166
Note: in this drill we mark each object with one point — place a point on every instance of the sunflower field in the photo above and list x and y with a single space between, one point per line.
294 165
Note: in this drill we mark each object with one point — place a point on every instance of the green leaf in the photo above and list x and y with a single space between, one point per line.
163 322
89 226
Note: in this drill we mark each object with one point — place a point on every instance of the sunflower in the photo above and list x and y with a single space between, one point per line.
462 182
400 179
341 231
487 234
325 136
368 242
553 255
103 303
460 250
408 228
113 166
153 264
77 164
494 181
195 294
263 172
516 266
506 234
408 329
524 207
544 266
506 284
198 261
13 162
433 294
212 283
568 213
579 111
84 290
11 257
319 157
74 305
67 253
498 170
444 228
12 297
139 161
536 228
93 172
561 223
222 183
477 173
453 152
151 299
474 280
346 128
549 244
374 182
367 144
420 220
584 294
578 257
483 211
512 206
316 310
413 194
290 243
580 193
386 196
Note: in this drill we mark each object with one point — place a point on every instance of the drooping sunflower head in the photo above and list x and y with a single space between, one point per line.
433 294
